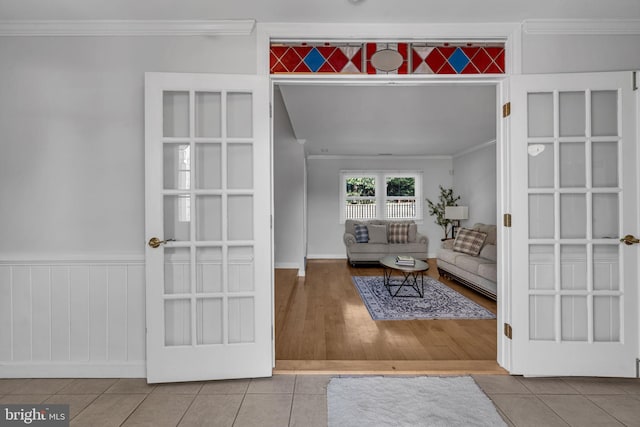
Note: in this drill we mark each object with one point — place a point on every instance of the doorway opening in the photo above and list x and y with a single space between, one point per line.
447 130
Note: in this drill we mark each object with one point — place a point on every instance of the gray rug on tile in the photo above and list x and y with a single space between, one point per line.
414 401
439 302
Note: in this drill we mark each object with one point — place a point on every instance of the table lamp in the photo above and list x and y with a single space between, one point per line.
456 213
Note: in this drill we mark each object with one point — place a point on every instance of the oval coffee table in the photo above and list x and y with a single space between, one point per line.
410 273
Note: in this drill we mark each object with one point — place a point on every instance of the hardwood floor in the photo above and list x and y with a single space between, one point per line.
322 325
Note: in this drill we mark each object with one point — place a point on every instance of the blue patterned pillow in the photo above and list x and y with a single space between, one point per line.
362 233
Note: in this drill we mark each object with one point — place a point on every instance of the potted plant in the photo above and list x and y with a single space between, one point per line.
446 198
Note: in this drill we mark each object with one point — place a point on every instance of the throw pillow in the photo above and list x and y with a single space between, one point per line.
469 241
362 233
398 233
377 233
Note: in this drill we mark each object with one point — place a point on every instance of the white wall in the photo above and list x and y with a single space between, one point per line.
580 53
71 195
323 199
288 191
72 117
474 180
72 179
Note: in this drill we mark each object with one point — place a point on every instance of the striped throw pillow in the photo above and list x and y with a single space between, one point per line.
398 233
362 233
469 241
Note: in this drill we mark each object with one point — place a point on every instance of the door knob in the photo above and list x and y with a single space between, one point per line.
154 242
629 239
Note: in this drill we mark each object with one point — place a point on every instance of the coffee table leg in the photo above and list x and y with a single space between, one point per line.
387 279
410 279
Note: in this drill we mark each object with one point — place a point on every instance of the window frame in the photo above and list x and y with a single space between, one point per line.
380 177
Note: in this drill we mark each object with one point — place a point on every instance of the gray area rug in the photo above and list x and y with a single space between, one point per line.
439 302
414 401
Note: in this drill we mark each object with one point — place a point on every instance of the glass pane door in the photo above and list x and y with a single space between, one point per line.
214 201
574 195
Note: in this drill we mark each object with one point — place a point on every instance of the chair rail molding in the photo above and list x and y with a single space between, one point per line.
81 28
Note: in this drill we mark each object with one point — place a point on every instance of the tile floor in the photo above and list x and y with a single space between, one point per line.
290 400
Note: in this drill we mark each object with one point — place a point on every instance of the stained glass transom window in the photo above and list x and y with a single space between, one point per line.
387 58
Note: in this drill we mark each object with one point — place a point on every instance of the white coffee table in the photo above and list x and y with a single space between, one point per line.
411 274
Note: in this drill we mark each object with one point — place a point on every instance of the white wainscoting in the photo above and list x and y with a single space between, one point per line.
72 317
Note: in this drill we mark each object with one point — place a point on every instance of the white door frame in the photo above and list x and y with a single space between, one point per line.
510 33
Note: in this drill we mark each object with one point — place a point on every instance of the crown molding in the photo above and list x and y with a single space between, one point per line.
582 27
127 28
475 148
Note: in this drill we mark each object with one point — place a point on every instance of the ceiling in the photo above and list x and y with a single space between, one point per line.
396 120
322 11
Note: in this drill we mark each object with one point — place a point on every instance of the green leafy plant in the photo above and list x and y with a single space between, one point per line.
446 198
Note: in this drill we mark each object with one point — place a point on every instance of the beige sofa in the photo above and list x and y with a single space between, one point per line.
477 272
377 249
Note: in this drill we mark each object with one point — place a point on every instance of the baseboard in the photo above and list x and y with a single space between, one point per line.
73 370
327 256
287 265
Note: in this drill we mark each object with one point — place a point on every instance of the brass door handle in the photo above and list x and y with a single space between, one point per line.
154 242
629 239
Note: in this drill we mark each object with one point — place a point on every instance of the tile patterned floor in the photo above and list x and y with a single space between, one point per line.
290 400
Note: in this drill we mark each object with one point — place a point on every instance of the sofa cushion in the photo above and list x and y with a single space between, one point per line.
413 232
488 271
401 248
362 233
490 252
398 233
471 263
449 255
469 241
377 233
369 248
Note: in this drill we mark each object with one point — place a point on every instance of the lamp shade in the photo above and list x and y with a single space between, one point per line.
456 212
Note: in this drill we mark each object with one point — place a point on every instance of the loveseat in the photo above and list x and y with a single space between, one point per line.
370 241
458 262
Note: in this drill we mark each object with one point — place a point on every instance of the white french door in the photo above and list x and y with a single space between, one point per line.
208 271
574 195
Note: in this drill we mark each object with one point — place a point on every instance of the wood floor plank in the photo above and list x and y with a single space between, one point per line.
320 318
389 367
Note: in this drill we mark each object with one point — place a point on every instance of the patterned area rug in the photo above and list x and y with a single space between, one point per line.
439 302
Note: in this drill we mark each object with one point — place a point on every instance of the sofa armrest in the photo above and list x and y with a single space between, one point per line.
448 244
421 238
349 239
